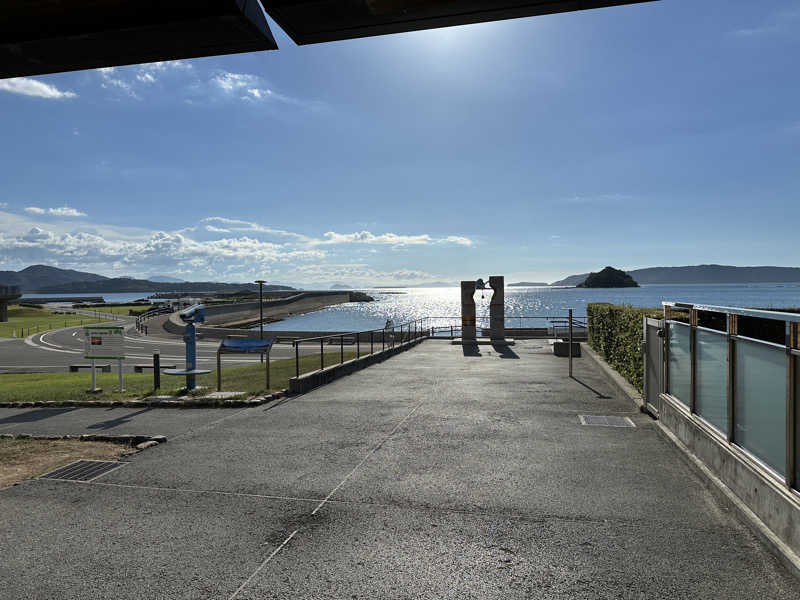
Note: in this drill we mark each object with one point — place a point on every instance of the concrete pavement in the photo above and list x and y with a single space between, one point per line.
436 474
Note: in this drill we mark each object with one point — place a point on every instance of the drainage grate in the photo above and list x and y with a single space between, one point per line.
606 421
83 470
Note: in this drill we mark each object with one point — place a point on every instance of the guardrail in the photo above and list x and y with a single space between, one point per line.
553 326
142 318
737 370
388 337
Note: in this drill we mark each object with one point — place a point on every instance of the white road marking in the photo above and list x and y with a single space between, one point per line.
263 564
363 460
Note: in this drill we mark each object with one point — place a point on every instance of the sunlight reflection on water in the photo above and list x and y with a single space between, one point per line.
415 303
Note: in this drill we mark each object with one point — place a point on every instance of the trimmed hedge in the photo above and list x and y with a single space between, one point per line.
615 333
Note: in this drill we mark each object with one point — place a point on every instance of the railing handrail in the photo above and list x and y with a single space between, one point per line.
735 310
347 333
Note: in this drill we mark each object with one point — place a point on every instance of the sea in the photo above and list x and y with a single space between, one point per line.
401 305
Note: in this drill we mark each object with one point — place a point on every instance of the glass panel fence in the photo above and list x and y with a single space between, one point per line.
797 421
711 362
760 402
679 362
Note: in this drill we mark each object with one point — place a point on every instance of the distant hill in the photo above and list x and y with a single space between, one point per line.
527 284
341 286
609 278
165 279
120 284
33 278
703 274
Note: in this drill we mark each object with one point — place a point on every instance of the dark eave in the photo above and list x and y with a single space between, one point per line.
48 36
314 21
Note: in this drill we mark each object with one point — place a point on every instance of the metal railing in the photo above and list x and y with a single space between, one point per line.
737 370
388 337
545 326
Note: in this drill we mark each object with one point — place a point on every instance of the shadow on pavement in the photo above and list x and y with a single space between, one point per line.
111 423
591 389
505 351
36 415
471 350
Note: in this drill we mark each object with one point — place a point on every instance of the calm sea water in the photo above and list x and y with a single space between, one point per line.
414 303
116 297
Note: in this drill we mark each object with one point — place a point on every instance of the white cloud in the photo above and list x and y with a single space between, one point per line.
149 73
218 248
779 22
230 82
65 211
389 239
457 239
111 79
61 211
33 87
249 226
3 204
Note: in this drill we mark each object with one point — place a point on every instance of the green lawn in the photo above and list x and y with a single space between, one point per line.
251 380
118 309
25 321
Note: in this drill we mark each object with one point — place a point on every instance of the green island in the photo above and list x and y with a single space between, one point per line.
609 278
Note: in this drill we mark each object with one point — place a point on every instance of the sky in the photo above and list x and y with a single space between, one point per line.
656 134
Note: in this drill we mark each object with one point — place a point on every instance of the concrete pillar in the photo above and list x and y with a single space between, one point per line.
497 313
468 311
3 311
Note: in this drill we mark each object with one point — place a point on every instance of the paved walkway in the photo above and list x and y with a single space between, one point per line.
431 475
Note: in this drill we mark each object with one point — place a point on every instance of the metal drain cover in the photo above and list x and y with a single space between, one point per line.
606 421
83 470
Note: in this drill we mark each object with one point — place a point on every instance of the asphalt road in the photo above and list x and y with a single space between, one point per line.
432 475
55 350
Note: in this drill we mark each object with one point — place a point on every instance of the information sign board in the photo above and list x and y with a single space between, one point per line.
106 342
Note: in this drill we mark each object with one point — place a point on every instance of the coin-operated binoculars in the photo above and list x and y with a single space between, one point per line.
190 316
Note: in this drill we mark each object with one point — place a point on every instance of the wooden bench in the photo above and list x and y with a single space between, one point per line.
141 368
104 368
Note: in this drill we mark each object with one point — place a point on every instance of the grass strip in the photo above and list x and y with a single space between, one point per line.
25 321
65 387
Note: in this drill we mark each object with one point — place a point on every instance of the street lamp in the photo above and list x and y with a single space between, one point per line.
261 283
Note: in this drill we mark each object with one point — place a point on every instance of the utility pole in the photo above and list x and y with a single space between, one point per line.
261 283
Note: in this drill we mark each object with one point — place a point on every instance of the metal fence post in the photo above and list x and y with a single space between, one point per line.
341 349
693 361
733 330
156 370
321 355
296 359
371 350
791 406
219 371
570 342
358 345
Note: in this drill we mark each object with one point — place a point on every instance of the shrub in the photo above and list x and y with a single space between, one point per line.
615 333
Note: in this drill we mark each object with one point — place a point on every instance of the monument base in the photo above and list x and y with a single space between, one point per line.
483 341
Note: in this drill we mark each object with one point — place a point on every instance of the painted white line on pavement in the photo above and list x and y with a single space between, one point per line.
363 460
263 564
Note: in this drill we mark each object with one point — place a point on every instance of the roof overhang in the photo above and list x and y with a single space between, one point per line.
48 36
314 21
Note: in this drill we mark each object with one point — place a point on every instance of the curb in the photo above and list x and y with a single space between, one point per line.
173 402
127 440
714 484
618 381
